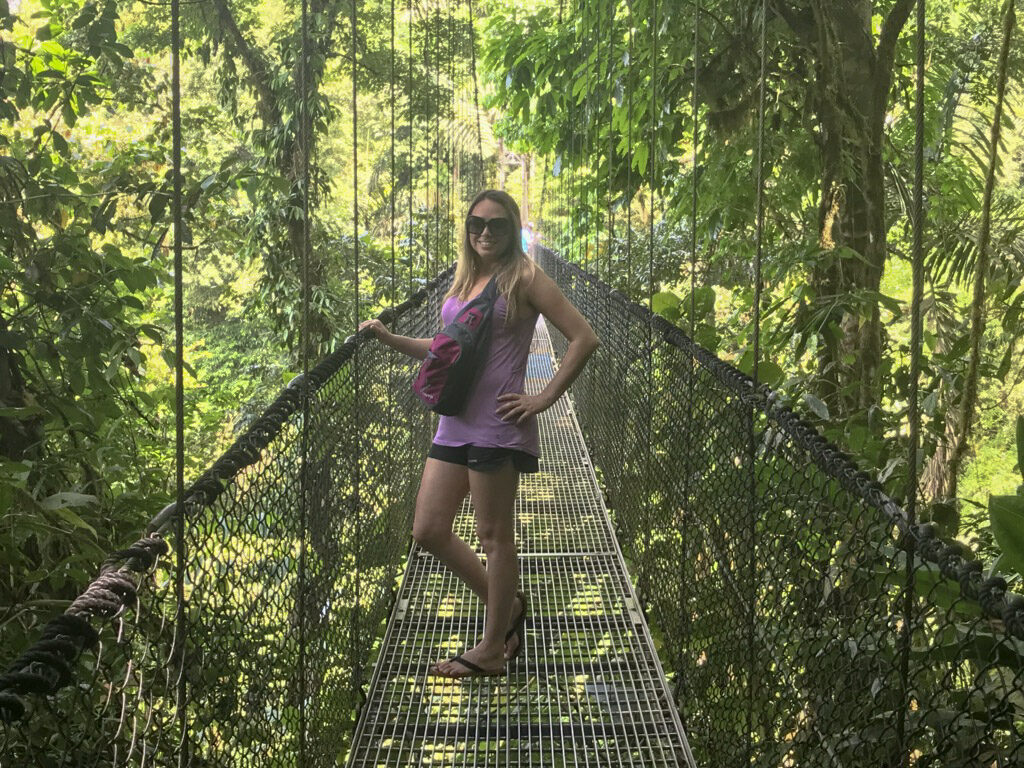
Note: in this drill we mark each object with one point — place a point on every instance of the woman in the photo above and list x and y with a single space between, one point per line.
484 448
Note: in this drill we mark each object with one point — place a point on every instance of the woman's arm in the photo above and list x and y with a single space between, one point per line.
407 345
549 300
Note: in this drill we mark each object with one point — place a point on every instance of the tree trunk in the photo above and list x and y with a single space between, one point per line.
20 439
850 99
978 301
287 157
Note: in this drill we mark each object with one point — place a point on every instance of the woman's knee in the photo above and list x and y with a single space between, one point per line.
496 541
428 531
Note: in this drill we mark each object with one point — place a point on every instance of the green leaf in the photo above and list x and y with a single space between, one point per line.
60 144
817 406
929 403
1006 515
1004 366
772 374
707 336
68 516
663 300
157 205
153 332
67 499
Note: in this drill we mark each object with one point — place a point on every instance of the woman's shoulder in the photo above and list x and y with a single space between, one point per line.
532 274
536 284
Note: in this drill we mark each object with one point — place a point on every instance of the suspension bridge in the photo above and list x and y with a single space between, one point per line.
711 582
775 573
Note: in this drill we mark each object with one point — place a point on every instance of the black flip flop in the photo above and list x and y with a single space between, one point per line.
475 671
517 626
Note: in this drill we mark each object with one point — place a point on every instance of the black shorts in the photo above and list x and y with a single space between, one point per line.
484 459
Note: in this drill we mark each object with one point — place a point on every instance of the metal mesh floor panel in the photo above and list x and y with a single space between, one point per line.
587 690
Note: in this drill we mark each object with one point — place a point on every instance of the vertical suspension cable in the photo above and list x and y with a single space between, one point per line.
452 126
684 579
611 146
430 105
476 98
759 235
753 506
573 181
304 341
180 550
913 416
411 237
651 162
560 162
649 327
570 248
446 142
542 218
588 149
357 478
391 157
629 154
437 139
450 151
694 106
390 399
463 152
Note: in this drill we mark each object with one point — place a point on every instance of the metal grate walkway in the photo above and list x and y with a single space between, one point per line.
587 690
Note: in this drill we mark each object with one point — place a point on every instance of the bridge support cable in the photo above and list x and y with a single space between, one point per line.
178 654
588 688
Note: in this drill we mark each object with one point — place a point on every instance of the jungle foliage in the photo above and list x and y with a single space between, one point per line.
606 91
86 338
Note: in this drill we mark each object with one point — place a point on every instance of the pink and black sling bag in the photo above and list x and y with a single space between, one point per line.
456 355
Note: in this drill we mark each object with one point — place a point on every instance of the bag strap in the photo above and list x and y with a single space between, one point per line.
488 295
491 289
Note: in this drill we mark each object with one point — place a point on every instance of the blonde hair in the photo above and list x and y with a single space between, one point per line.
514 266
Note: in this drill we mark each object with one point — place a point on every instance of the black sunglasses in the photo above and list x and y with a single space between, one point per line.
499 226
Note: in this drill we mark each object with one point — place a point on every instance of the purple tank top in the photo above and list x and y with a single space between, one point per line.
504 371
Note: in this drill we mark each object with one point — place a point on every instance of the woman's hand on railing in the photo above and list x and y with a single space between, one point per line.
407 345
378 329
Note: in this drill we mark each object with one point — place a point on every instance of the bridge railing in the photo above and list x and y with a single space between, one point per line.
805 622
263 661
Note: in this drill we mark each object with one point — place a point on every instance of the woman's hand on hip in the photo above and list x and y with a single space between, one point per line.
377 328
519 407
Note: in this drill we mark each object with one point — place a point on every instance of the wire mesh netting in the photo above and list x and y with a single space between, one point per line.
808 625
284 602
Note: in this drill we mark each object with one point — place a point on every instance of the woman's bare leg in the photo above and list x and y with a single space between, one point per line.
442 489
494 495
